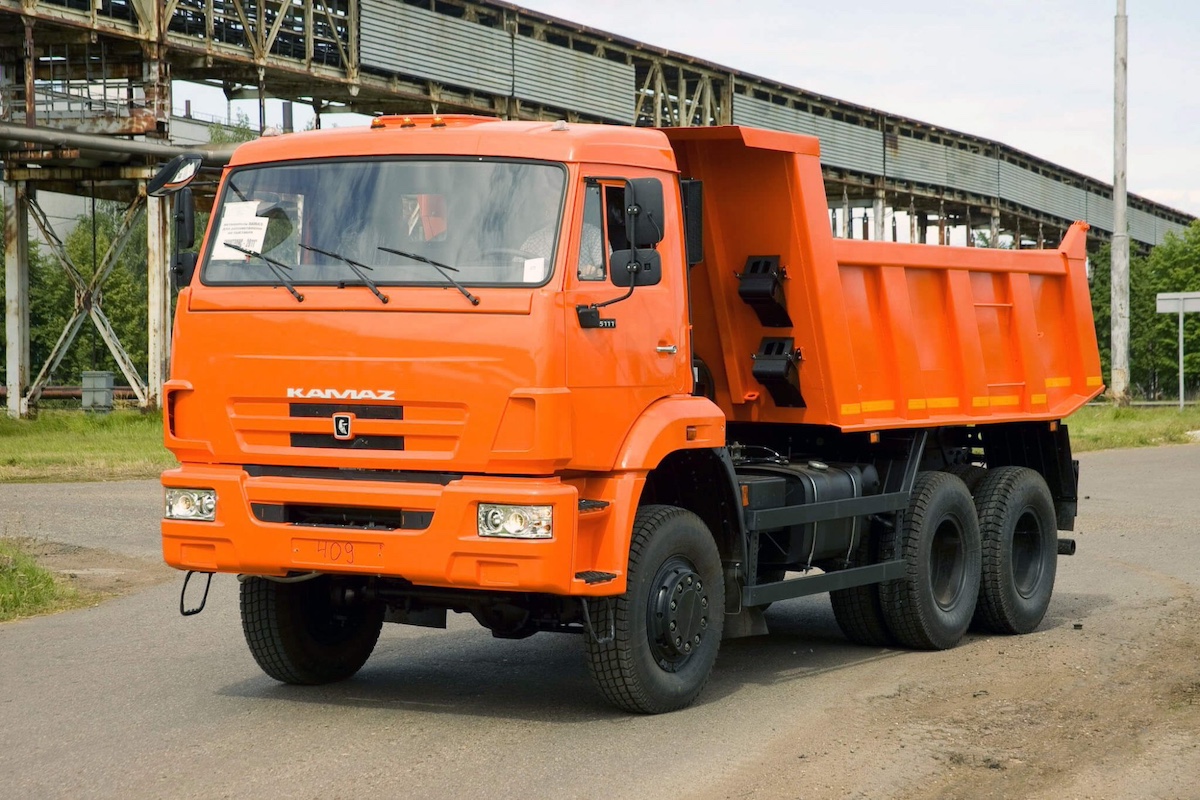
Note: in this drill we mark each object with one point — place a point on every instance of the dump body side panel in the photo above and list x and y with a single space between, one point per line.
886 335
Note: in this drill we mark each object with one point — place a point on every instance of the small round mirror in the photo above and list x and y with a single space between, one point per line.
176 174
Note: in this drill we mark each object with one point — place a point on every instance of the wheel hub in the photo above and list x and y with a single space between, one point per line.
678 613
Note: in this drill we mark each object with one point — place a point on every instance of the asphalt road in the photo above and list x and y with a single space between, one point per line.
129 699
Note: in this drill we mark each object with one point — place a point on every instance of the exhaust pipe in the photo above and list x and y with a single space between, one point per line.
1066 547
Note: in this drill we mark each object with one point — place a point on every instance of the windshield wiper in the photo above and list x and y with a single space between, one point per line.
277 267
356 266
440 267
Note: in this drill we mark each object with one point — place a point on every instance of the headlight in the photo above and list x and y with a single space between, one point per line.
516 522
193 504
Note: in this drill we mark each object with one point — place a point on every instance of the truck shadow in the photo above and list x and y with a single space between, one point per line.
465 672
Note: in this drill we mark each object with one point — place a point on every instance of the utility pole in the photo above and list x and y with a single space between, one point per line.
1120 239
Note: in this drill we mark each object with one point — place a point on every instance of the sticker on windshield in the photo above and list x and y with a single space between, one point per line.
241 226
535 270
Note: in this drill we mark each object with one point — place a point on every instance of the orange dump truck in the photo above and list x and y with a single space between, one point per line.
609 381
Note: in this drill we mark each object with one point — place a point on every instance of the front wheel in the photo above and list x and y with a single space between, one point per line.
667 626
311 632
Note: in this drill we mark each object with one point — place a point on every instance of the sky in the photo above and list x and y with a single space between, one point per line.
1034 74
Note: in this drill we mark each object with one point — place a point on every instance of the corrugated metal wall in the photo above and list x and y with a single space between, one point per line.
843 146
565 78
860 149
402 39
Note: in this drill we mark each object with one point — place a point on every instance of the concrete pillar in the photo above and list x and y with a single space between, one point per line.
912 224
16 297
942 233
158 307
995 231
878 213
847 224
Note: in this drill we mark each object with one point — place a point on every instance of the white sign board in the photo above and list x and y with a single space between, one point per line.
1178 303
240 226
1169 302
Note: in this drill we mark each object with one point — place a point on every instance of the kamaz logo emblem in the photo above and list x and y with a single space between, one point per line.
341 426
343 394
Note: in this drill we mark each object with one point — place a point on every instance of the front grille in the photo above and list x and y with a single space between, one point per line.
369 441
327 410
344 474
386 519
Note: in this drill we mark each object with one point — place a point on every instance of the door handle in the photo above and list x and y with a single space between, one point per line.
669 349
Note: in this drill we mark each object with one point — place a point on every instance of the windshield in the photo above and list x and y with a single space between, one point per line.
408 222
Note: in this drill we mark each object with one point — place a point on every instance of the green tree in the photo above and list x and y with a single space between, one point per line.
1173 266
239 131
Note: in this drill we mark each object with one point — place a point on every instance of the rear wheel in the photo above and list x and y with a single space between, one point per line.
310 632
931 606
667 626
970 474
858 610
1020 550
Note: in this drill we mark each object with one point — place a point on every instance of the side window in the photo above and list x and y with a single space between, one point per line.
603 230
591 243
614 210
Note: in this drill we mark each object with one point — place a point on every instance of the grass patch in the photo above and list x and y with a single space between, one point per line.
27 589
69 446
73 446
1104 427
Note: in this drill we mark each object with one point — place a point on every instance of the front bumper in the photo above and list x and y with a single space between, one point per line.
447 553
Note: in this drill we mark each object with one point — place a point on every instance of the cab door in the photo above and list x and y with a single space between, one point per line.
642 351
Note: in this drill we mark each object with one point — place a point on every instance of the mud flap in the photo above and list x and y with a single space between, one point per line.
747 622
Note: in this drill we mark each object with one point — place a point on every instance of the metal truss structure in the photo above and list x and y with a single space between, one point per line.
104 68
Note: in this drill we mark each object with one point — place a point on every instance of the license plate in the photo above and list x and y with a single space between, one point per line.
324 552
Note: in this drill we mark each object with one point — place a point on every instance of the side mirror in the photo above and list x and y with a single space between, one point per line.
183 267
644 214
176 174
646 270
185 220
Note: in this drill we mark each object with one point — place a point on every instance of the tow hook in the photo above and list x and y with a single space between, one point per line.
183 609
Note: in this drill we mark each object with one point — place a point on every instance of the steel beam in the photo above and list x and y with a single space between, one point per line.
87 303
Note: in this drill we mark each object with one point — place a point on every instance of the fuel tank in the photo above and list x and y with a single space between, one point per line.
773 485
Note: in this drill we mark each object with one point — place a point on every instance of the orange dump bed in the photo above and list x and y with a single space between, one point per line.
886 335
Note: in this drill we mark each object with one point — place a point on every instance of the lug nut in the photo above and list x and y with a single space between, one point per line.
674 605
673 626
687 647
